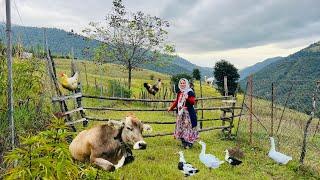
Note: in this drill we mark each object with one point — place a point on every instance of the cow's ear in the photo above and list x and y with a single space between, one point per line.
147 127
116 124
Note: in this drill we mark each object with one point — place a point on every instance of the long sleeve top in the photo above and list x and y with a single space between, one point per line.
190 101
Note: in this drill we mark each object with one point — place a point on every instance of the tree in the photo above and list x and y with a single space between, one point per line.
131 39
197 76
224 68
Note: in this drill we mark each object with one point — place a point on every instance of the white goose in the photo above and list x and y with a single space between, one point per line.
277 156
186 168
208 159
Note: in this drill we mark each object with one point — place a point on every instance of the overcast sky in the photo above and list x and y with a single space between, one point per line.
243 32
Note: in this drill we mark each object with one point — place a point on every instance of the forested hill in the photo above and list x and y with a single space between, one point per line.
257 67
300 69
61 42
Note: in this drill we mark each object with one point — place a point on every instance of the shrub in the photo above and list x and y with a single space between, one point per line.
224 68
151 76
118 90
31 108
45 155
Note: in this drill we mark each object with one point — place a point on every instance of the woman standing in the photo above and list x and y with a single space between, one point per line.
186 122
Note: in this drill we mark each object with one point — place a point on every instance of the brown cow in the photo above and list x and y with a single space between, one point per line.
108 145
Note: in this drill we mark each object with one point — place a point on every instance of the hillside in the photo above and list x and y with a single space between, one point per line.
257 67
160 159
61 42
300 70
179 65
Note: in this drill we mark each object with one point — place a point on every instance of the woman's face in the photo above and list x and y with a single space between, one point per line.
182 84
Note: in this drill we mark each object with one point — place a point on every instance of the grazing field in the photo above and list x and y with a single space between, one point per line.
160 159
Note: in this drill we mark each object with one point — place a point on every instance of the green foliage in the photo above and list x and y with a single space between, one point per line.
29 88
44 155
151 76
224 68
31 108
175 79
101 54
117 89
196 74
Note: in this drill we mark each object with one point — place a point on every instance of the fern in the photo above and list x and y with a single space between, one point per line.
44 155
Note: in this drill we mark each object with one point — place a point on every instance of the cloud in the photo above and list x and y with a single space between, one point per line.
241 57
198 28
211 25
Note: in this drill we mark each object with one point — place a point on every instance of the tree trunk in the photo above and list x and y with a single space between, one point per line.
129 77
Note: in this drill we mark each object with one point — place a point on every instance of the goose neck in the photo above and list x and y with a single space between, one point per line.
203 150
226 157
181 159
273 146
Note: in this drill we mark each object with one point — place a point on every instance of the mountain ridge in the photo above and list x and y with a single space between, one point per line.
62 42
292 76
257 67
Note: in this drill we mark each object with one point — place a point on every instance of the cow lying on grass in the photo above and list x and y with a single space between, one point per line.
109 145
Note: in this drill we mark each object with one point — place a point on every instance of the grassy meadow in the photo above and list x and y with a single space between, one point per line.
159 160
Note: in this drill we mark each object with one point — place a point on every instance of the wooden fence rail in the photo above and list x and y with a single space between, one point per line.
63 98
171 133
158 109
152 100
162 122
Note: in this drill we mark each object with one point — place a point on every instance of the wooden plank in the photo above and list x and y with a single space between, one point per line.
72 111
152 100
229 101
101 119
63 98
224 108
159 122
77 121
170 133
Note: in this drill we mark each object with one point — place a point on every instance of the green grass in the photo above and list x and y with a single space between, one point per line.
159 160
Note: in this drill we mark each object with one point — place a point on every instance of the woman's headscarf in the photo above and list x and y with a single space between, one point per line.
187 88
183 96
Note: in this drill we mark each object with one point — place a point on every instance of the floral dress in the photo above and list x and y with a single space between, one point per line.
184 130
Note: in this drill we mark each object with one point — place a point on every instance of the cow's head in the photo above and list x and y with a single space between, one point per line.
132 132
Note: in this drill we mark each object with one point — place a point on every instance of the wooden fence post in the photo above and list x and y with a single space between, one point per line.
85 71
232 118
305 134
225 82
201 124
95 83
250 79
52 71
272 105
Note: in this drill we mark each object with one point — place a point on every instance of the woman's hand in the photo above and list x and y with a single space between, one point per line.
186 96
168 109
